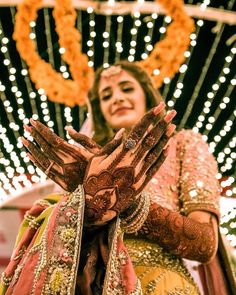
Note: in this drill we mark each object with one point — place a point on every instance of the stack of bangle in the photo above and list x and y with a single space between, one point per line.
135 220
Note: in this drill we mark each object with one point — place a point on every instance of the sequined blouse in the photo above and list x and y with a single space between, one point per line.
187 180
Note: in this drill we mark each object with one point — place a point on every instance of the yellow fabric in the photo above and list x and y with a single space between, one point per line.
161 281
160 273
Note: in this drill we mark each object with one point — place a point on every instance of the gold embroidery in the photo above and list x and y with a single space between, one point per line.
145 253
197 167
62 263
58 281
5 280
180 291
31 221
113 280
151 286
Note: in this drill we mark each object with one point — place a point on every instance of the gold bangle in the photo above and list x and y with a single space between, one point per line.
133 223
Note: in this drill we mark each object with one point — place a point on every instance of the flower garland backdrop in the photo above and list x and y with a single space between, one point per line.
164 61
69 92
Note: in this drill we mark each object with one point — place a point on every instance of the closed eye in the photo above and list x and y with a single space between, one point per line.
106 97
128 89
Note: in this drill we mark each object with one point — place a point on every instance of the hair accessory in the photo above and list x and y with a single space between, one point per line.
111 71
130 144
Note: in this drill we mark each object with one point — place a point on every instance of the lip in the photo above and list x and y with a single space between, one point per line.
121 109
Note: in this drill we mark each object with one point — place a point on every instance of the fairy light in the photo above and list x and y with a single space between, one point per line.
106 39
201 79
12 150
134 34
119 47
148 39
223 104
227 157
62 50
182 71
67 114
90 42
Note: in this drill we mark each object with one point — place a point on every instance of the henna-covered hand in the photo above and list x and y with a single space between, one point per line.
181 235
117 174
62 162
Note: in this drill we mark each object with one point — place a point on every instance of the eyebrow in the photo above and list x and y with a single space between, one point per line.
120 84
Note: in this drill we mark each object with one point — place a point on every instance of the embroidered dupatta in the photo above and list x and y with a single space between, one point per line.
47 252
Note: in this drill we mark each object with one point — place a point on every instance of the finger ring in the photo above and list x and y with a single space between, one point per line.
49 168
130 143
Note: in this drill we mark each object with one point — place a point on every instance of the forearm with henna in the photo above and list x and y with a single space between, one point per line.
179 234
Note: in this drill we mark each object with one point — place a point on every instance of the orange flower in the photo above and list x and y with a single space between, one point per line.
69 92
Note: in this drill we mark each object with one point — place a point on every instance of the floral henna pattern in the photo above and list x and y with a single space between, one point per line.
179 234
116 184
73 174
96 207
117 171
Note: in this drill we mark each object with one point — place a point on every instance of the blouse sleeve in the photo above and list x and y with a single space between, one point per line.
199 187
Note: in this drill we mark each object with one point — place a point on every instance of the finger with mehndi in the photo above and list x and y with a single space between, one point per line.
170 130
113 144
82 139
151 117
132 142
170 116
46 133
24 141
154 153
152 138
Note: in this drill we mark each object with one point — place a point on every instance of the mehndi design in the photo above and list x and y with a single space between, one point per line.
113 181
180 234
62 162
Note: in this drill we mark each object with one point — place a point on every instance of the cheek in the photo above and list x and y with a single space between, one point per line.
105 110
141 106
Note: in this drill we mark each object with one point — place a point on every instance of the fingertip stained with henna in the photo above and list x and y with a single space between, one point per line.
33 122
159 108
24 141
170 116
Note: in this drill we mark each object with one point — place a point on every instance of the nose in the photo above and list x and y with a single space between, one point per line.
118 97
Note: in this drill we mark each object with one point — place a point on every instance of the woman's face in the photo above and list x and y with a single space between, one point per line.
122 99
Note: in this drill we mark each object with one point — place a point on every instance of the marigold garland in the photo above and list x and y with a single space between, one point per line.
69 92
167 55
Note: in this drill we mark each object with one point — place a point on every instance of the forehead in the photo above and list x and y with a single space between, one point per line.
116 80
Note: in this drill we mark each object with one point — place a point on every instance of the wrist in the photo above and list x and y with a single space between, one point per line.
136 215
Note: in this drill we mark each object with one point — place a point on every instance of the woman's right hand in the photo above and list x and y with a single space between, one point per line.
117 174
62 162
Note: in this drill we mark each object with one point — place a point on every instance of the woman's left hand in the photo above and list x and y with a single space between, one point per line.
117 175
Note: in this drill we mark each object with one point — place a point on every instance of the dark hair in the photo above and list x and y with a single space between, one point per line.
102 131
